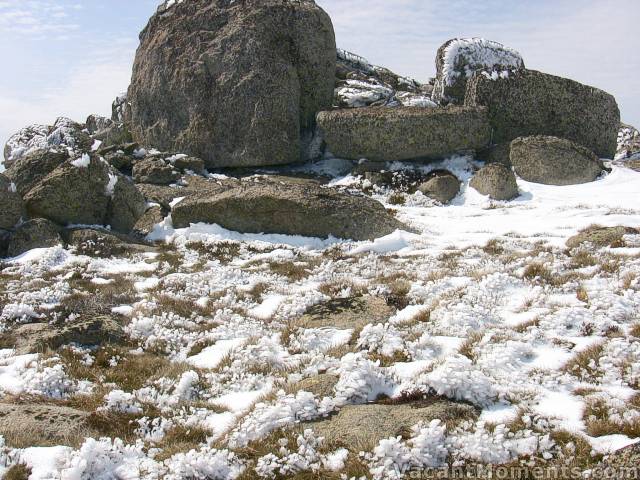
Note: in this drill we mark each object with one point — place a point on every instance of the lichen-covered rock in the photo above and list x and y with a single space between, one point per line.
155 171
86 191
496 154
443 186
120 108
186 163
149 219
496 181
406 133
95 123
459 58
26 425
363 426
554 161
64 133
36 233
114 134
244 93
628 142
102 243
602 236
126 204
287 206
29 169
528 103
11 205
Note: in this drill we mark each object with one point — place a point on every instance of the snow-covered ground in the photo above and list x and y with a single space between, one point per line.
499 314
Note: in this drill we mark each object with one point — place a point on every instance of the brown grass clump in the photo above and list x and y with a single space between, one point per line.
397 199
582 259
467 348
538 272
582 295
493 247
18 472
599 423
635 330
585 363
225 252
180 440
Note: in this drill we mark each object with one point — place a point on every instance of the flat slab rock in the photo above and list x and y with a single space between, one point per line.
347 313
361 427
388 134
287 206
39 425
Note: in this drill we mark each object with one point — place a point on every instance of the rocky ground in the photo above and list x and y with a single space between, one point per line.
484 332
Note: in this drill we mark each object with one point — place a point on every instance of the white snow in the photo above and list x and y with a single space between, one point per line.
211 356
82 162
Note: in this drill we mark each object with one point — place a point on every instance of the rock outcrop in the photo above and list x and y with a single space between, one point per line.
31 168
528 103
496 181
628 142
86 191
64 133
11 206
154 171
554 161
235 83
287 206
459 58
361 84
36 233
387 134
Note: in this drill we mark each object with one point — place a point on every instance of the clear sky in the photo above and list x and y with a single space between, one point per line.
72 57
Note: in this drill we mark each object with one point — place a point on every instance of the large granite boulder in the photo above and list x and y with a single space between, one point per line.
287 206
527 103
387 134
11 206
496 181
554 161
36 233
31 168
234 83
459 58
86 191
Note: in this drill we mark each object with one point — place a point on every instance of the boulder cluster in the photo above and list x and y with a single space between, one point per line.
242 85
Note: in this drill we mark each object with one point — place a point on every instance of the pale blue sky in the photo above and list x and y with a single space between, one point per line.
71 57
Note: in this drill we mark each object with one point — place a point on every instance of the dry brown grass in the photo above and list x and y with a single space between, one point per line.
493 247
635 330
181 440
18 472
523 327
581 364
225 252
397 199
582 259
294 271
582 295
599 423
467 348
538 272
354 468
